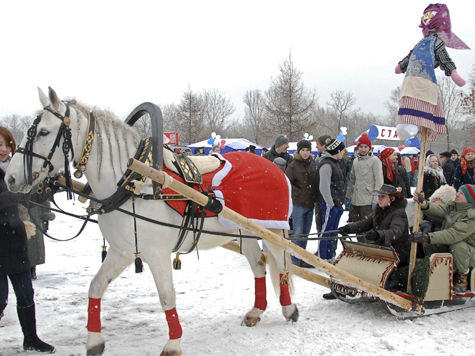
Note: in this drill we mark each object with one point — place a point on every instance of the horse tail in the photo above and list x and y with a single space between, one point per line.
276 270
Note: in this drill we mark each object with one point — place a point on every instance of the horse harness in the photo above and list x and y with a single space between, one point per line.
193 218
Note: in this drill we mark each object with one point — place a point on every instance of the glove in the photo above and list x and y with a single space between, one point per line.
344 230
457 78
420 237
398 70
372 235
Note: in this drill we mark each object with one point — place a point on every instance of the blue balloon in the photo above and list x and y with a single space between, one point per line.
211 141
373 132
414 142
341 137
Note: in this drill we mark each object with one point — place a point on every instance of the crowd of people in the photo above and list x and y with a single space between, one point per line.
375 190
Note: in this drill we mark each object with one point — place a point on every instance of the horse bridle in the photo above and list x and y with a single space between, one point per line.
63 132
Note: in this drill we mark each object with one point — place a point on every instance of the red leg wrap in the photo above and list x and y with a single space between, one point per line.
94 315
284 291
260 288
174 326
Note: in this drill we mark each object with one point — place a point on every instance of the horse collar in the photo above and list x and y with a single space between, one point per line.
87 147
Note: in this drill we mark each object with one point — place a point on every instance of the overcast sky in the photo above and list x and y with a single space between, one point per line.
118 54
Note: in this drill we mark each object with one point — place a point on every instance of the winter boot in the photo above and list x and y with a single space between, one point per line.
31 341
460 282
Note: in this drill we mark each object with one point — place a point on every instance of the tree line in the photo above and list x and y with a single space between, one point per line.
288 107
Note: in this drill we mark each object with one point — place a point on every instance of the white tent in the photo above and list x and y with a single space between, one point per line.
409 151
236 144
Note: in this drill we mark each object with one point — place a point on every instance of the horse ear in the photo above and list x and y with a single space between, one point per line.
43 98
55 100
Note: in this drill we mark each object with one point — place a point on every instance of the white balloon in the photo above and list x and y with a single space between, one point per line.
213 134
305 135
310 138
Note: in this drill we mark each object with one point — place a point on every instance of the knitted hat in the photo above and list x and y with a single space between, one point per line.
364 140
445 154
280 162
281 140
335 146
446 193
469 191
324 140
304 144
454 152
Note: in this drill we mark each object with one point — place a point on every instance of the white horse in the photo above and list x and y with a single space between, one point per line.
114 144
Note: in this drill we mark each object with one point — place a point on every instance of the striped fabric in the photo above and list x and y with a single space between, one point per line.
420 113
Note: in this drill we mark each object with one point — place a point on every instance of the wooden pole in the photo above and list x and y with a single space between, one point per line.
299 271
199 198
417 218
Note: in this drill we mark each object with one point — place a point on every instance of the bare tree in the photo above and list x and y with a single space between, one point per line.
452 102
254 112
216 109
18 125
468 99
189 119
288 104
392 104
341 104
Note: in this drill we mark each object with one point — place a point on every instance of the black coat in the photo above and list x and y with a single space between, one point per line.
13 250
449 171
271 155
392 226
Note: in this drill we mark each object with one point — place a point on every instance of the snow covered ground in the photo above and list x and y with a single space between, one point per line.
213 294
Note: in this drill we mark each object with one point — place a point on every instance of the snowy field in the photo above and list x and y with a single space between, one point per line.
213 294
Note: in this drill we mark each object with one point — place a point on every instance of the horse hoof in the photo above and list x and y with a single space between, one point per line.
250 321
294 316
96 350
170 353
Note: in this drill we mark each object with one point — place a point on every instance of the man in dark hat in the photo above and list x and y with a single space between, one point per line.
279 149
455 157
448 166
251 149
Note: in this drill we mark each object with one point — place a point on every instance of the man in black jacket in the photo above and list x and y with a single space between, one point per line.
448 166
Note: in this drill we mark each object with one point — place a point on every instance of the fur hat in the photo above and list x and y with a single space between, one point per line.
445 154
324 140
335 146
281 140
364 140
304 144
469 191
446 193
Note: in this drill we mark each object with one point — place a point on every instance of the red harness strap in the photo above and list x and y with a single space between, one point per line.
174 327
260 290
94 315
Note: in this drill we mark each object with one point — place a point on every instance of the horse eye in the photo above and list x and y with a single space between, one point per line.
43 132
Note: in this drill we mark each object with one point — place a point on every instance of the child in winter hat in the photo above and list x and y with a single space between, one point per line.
364 140
335 146
303 144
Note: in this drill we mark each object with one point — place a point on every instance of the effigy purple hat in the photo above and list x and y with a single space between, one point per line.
436 17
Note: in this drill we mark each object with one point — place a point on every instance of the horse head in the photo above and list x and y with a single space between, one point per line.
46 149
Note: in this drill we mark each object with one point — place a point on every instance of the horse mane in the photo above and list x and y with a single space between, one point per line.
111 132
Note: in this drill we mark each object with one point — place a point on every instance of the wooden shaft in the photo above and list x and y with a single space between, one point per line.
299 271
417 218
352 281
76 186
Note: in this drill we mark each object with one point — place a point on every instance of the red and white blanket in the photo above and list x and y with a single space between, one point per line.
251 186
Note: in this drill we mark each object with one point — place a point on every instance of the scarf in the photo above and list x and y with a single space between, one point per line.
4 165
